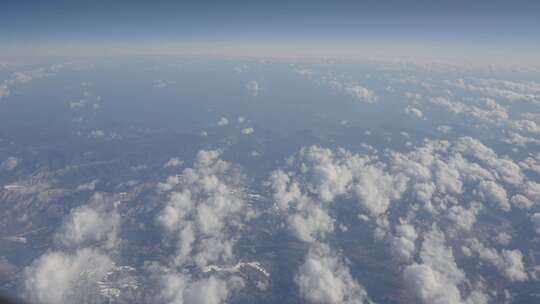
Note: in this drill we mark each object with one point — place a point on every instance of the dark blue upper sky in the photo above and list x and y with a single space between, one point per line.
491 22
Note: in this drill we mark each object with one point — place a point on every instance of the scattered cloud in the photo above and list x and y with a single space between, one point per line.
91 224
253 88
414 112
58 277
325 278
223 121
248 131
160 84
10 163
173 162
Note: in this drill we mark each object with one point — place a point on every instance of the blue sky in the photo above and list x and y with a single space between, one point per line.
506 24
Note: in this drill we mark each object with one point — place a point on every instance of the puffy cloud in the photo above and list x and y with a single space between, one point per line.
375 189
327 175
521 201
414 112
360 93
324 278
178 288
440 257
253 88
307 219
207 291
203 215
330 174
320 176
531 163
429 286
206 204
508 262
10 163
223 121
285 189
531 190
443 175
90 186
503 238
96 134
4 90
58 277
462 217
247 131
504 168
441 171
519 140
311 224
160 84
21 78
90 225
535 218
436 279
495 194
173 162
402 245
444 129
413 97
511 91
303 71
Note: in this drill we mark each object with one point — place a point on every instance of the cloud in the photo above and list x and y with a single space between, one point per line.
248 131
178 288
223 121
77 104
508 262
311 223
327 174
202 218
160 84
464 218
285 189
253 88
90 186
535 218
205 206
376 189
361 93
10 163
4 90
414 112
436 280
531 163
444 129
494 193
305 72
96 134
402 246
18 78
324 278
173 162
90 225
429 286
503 239
508 90
58 277
307 218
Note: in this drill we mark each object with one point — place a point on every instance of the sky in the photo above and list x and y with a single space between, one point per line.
29 26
